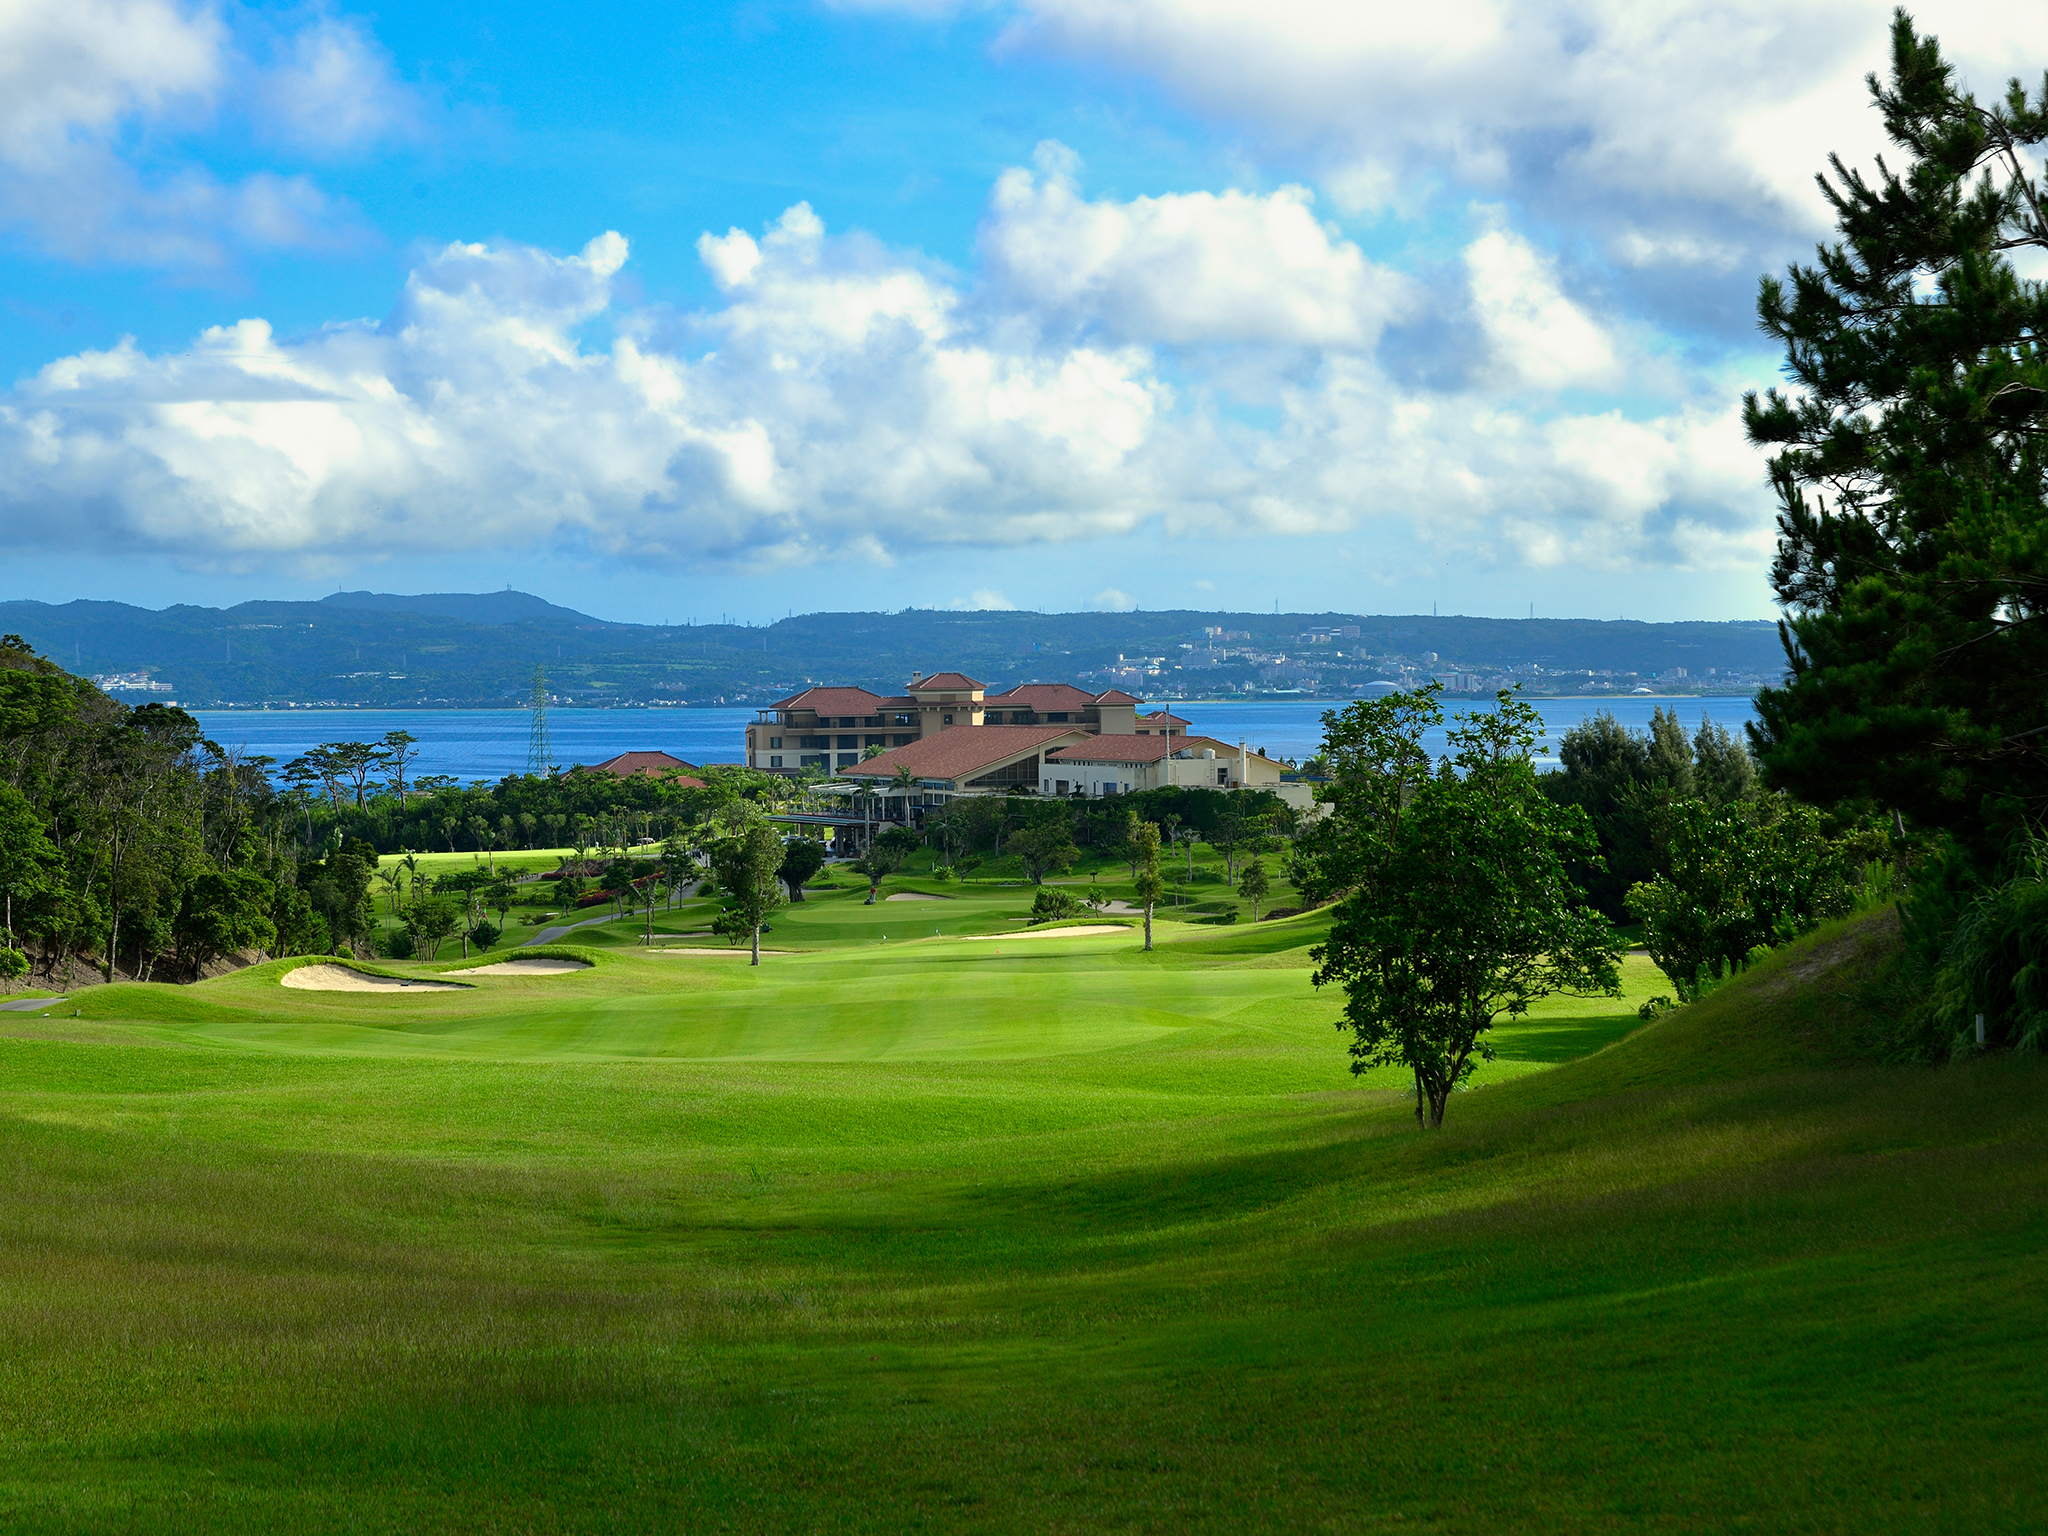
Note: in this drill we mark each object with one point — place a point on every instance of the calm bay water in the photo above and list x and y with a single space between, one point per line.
490 743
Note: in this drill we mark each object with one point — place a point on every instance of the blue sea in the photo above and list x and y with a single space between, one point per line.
490 743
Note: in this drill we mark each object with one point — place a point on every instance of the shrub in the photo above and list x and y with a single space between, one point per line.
483 935
1051 904
395 944
597 898
942 872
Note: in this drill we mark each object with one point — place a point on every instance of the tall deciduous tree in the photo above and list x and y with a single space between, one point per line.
1460 908
745 858
1145 853
1909 469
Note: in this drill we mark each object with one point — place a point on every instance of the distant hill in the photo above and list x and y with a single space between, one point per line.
475 607
481 649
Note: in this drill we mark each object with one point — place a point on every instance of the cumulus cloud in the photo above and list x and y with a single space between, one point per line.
1681 134
845 401
83 82
1197 268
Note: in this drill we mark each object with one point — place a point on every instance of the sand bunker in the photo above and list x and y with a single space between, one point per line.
1080 931
536 967
916 896
341 978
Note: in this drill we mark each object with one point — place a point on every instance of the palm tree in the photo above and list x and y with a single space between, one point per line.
904 782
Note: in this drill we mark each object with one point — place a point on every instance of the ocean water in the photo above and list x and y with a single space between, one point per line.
490 743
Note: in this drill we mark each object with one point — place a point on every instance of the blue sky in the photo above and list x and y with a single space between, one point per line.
667 311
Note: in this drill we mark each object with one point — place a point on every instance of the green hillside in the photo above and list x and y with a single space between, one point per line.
481 649
1027 1234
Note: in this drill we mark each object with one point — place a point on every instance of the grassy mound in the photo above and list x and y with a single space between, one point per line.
936 1236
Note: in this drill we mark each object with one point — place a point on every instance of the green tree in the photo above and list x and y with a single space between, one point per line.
1461 909
1053 904
1743 877
1145 841
745 856
1908 464
394 753
13 966
802 858
1047 848
224 913
878 863
431 922
1253 885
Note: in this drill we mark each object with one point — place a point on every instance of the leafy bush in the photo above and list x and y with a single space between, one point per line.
1995 961
13 966
1743 878
483 935
942 872
1052 904
395 944
594 898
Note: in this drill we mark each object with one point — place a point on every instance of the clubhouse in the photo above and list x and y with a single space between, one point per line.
945 736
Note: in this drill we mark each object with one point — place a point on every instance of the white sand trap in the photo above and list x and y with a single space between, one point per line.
1082 931
917 896
341 978
536 967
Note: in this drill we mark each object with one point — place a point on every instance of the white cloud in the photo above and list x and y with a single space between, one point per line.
96 95
1187 268
1110 600
982 600
1682 133
844 401
1539 337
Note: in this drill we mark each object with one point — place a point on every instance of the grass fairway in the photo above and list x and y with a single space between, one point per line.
1042 1235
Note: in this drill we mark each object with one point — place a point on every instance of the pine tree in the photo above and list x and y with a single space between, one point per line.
1913 549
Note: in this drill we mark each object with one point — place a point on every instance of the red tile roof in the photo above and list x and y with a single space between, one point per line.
944 682
653 765
1161 717
964 751
1117 749
1116 696
836 701
1042 697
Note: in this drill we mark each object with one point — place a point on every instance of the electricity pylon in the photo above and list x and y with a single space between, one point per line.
539 754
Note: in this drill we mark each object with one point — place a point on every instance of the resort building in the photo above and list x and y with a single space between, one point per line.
830 728
945 736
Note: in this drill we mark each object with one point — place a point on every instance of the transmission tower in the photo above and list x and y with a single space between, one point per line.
539 754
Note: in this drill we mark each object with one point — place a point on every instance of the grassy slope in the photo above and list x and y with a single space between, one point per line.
1049 1234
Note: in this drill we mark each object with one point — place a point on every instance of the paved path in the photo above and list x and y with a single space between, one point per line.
549 935
31 1004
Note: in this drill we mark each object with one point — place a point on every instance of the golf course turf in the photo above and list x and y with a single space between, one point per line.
919 1234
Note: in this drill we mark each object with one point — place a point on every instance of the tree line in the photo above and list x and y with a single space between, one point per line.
1904 757
131 843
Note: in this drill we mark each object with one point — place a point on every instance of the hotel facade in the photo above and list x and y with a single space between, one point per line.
945 736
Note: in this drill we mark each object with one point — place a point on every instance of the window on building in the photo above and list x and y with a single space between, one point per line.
901 741
815 741
849 741
949 719
877 741
872 720
1222 775
816 760
848 759
1059 786
776 761
774 741
1059 716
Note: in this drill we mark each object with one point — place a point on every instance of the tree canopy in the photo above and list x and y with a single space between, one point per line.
1907 461
1460 907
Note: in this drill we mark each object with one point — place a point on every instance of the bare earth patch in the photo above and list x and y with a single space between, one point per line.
1080 931
536 967
340 978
